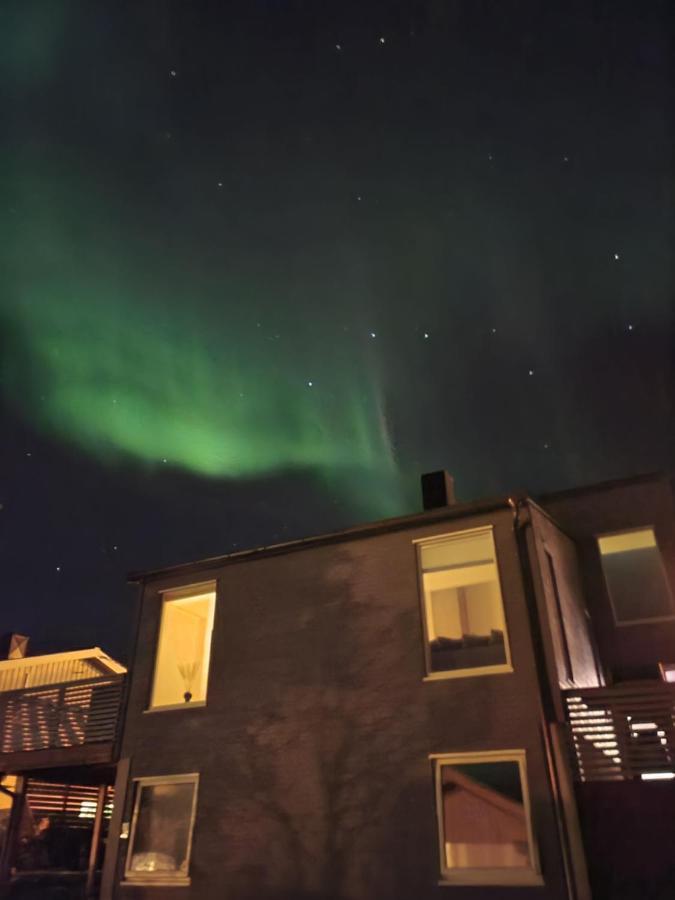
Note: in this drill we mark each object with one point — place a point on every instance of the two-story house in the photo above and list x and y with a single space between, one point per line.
443 701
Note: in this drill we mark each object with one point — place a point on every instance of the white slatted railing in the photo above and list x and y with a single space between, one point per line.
61 715
622 732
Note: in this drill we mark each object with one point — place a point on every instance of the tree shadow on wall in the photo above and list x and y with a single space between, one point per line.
331 738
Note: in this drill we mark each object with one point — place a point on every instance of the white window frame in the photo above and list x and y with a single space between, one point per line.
651 619
497 876
160 879
499 668
170 595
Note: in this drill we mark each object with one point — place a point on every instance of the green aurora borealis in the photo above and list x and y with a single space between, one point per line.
206 206
130 359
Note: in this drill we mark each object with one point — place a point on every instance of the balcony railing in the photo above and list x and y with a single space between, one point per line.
623 732
59 718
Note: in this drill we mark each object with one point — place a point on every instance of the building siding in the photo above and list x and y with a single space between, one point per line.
313 746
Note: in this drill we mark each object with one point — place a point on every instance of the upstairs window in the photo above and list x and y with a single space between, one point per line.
635 577
182 661
161 829
484 827
463 609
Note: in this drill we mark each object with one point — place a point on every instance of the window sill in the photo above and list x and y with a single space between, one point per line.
193 704
493 878
468 673
653 620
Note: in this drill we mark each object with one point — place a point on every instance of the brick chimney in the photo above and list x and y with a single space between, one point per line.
13 646
438 490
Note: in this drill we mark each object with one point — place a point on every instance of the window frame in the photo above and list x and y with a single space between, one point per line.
499 668
651 619
169 595
496 876
161 879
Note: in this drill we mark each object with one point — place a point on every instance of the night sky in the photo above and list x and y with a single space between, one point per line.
265 262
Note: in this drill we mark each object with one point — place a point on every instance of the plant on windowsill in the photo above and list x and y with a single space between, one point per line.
188 672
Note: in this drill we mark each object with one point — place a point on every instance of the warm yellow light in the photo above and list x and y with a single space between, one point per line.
628 540
182 663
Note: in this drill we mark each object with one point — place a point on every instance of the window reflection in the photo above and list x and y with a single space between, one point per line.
160 843
635 576
483 816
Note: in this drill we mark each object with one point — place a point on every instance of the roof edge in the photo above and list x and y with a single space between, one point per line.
368 529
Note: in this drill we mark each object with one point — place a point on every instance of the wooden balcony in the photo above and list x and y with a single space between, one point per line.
73 723
623 732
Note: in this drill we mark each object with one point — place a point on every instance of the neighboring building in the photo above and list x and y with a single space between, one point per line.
59 717
477 697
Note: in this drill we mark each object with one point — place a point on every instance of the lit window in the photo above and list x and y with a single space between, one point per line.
182 664
464 613
161 828
484 823
635 576
667 671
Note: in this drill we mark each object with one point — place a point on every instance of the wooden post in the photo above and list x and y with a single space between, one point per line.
95 840
112 849
8 855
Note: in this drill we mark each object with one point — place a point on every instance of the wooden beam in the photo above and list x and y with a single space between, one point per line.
82 755
13 829
112 847
95 841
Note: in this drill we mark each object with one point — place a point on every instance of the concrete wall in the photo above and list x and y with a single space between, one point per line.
584 514
313 747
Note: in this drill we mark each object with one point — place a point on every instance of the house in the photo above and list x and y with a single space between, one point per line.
478 697
59 717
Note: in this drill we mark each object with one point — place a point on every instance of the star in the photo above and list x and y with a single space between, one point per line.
630 327
310 384
426 335
493 330
358 196
616 256
165 460
173 73
372 334
338 46
546 446
530 371
566 159
490 157
114 546
382 40
58 568
29 454
220 184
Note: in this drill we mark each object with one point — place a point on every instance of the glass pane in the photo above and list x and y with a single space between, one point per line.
484 818
181 670
465 616
635 576
162 832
